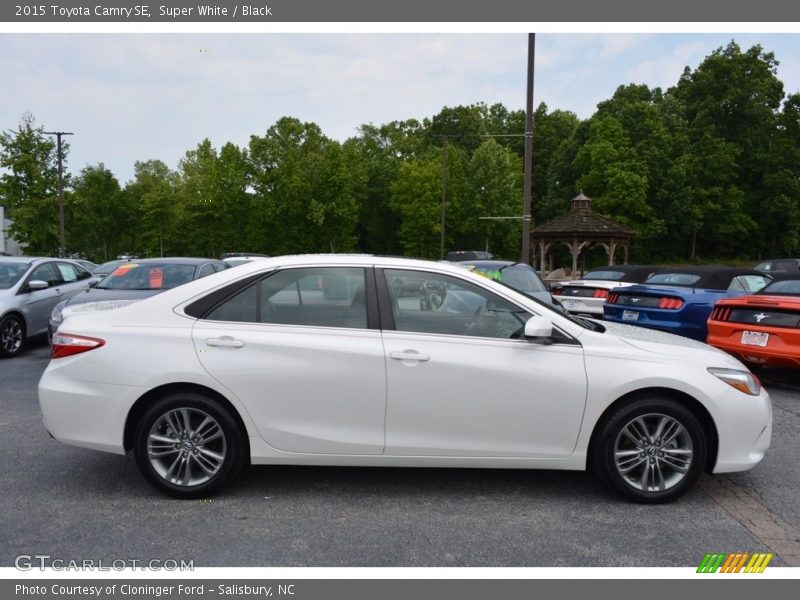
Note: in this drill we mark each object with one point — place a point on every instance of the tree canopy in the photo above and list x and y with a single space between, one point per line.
709 168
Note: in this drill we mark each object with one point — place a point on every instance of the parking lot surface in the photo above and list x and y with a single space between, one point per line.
77 504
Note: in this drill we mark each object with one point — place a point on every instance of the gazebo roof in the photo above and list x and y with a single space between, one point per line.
581 222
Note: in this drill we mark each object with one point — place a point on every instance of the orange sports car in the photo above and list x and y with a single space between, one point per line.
761 329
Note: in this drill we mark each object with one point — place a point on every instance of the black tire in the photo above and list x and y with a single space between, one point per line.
229 444
609 438
12 336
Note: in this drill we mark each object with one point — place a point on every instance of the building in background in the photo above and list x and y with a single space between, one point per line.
7 244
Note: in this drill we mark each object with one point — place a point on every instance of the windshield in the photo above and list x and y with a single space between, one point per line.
11 273
520 277
154 276
107 267
605 275
674 278
789 287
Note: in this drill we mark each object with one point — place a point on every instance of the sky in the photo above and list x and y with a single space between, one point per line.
130 97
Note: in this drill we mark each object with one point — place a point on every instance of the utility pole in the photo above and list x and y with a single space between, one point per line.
444 195
526 198
62 240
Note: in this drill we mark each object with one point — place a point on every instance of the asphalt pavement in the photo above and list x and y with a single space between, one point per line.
77 504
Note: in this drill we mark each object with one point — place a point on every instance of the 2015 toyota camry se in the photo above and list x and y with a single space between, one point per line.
320 360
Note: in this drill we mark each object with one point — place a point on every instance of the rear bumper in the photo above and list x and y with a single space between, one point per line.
583 306
65 402
782 349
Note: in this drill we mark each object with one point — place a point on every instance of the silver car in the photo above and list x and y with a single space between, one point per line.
29 289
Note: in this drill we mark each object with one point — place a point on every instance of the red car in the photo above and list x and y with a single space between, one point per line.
762 329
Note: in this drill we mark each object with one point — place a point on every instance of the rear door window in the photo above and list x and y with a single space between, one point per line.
316 297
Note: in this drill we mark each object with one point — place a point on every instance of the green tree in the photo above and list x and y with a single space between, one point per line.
101 219
305 194
154 194
29 184
494 189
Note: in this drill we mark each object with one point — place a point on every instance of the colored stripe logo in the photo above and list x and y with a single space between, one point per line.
735 562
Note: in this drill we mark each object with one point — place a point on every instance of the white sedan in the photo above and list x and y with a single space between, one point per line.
318 360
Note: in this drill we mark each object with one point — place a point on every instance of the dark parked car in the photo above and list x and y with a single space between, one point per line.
132 281
780 265
516 275
462 255
680 300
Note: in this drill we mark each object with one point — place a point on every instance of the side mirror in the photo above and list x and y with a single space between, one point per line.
37 284
539 329
93 282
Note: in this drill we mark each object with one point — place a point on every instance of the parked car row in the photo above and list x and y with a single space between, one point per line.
753 314
37 293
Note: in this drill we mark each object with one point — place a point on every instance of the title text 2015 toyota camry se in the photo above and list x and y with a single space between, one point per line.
321 360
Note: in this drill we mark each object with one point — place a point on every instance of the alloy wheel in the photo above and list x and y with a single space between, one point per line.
653 452
11 336
186 446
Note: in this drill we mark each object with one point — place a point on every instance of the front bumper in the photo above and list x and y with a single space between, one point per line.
744 427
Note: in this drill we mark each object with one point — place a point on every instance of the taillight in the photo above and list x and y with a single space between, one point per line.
612 298
557 291
67 344
721 313
670 303
600 293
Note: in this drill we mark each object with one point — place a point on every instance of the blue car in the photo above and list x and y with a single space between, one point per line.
680 300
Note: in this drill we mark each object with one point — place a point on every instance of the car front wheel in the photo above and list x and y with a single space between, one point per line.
188 445
12 336
650 450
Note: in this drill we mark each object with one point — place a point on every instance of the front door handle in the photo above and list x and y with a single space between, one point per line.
225 341
410 355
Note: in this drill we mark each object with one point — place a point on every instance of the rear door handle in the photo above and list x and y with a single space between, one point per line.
225 341
409 355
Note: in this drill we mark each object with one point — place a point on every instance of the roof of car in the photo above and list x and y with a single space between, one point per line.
25 259
493 263
710 276
633 273
171 260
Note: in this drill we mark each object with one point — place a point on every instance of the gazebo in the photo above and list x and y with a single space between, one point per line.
580 228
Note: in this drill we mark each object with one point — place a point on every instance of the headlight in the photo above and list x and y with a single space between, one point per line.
57 314
744 381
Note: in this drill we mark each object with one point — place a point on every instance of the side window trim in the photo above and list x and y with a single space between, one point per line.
384 301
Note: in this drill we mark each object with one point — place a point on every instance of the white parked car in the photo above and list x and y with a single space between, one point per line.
317 360
586 296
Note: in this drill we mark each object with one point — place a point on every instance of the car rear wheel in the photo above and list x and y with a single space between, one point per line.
12 336
188 445
649 450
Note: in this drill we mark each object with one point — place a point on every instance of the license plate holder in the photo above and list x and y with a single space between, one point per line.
630 315
755 338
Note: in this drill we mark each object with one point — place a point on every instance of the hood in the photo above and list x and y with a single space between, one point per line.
99 295
660 342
